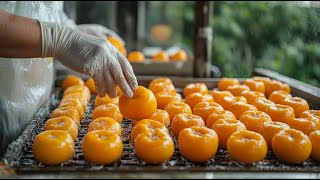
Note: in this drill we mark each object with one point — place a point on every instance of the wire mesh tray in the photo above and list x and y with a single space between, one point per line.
20 158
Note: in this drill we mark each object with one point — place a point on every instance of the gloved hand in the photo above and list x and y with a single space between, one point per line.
90 55
98 30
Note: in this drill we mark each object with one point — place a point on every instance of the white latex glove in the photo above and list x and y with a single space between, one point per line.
90 55
98 30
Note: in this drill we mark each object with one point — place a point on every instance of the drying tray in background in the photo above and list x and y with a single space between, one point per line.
181 68
170 68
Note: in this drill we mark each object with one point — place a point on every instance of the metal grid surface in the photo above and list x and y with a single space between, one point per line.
20 157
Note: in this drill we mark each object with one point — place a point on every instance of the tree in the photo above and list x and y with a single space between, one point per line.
275 35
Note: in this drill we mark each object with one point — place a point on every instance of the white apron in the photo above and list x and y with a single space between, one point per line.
25 83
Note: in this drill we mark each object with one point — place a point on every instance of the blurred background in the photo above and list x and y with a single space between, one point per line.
281 36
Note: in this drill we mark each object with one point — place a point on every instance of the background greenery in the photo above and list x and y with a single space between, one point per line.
277 35
281 36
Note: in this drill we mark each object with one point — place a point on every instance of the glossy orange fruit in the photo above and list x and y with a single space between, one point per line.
164 98
291 146
84 90
142 105
275 85
204 109
109 110
263 104
181 121
197 87
75 103
226 82
160 79
206 140
251 96
161 116
105 123
195 98
136 56
146 125
63 123
68 111
228 101
255 85
240 99
53 147
247 147
105 100
102 147
279 96
298 104
219 96
159 87
281 113
90 84
238 108
265 80
315 140
313 115
236 90
225 127
269 128
78 96
71 80
174 108
286 88
115 42
154 147
222 114
253 120
180 55
161 56
304 125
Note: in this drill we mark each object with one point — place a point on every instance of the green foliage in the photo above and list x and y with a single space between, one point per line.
277 35
282 36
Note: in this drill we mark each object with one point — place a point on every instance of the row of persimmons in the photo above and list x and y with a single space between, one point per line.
246 119
237 117
101 145
55 144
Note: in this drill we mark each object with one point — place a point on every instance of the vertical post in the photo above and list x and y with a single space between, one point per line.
202 39
70 8
127 22
141 23
111 15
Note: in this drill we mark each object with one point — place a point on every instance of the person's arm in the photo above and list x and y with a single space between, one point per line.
24 37
20 37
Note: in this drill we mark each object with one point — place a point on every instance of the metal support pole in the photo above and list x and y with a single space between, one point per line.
127 22
203 39
141 25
